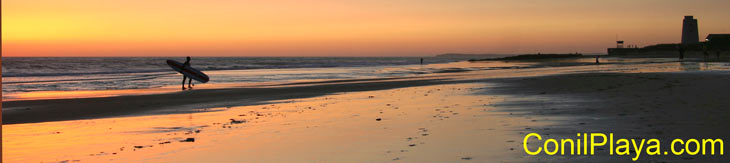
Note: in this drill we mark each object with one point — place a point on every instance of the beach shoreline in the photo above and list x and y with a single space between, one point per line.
54 106
476 115
100 104
31 111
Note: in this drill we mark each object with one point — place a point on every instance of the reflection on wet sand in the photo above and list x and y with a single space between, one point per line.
416 124
440 117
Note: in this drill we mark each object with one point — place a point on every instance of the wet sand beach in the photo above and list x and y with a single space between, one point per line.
469 115
665 106
430 123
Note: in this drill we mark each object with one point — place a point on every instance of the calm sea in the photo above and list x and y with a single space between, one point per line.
104 73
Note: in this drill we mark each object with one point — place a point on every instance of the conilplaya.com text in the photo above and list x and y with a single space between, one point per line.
587 143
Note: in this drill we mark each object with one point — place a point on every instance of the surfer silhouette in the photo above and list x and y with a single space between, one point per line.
190 80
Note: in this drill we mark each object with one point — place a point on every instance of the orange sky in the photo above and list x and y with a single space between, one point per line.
343 28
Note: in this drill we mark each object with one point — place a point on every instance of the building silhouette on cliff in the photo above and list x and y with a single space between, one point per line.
719 43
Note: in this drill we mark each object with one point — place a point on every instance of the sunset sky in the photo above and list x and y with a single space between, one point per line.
344 28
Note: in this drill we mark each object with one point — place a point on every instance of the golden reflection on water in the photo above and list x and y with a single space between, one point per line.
84 93
442 122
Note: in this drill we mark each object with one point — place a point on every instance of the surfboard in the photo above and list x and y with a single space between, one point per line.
188 71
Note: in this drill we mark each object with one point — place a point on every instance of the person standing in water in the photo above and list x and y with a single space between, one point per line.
704 51
190 80
681 51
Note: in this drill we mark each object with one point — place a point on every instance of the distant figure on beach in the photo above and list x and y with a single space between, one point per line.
597 59
705 52
190 80
681 51
421 61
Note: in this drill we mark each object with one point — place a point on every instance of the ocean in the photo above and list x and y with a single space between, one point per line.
30 74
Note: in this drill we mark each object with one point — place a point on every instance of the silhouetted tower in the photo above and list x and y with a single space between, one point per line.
690 34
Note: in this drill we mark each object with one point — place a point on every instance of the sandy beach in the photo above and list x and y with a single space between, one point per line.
364 81
467 114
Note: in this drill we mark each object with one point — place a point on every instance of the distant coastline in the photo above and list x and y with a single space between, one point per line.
716 44
469 55
531 57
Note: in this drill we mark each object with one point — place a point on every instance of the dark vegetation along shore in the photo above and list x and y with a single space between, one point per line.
532 57
466 55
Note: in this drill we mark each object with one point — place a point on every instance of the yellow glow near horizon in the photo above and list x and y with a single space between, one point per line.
337 28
